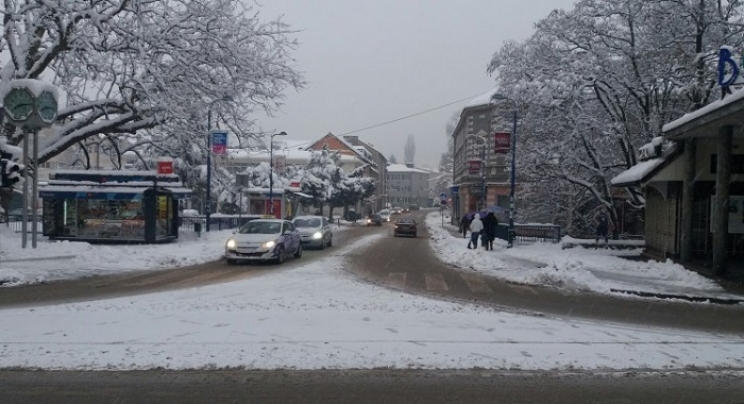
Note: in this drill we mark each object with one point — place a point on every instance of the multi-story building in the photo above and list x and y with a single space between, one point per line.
407 185
480 169
380 197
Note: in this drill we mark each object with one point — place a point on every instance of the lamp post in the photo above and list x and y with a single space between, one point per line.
513 167
483 171
207 204
271 170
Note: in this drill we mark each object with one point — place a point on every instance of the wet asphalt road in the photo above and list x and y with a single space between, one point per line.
405 264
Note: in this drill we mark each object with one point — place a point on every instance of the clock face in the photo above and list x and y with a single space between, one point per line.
19 104
46 105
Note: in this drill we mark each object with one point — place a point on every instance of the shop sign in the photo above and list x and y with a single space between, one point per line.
728 70
474 166
165 167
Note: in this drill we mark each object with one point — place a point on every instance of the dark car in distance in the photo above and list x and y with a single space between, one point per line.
405 226
374 220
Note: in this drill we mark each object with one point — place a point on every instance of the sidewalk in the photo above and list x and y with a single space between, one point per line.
648 279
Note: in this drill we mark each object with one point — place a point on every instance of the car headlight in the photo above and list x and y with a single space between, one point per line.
268 244
317 235
230 244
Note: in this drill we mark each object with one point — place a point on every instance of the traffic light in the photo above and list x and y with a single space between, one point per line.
10 172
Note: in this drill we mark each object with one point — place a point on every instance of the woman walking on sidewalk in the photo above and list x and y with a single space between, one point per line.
475 230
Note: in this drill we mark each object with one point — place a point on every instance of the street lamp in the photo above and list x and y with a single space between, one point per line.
498 96
483 171
207 205
271 170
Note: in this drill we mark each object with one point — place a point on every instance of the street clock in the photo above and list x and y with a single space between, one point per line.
46 107
31 104
19 104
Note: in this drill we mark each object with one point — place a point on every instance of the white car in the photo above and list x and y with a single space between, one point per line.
384 215
315 231
264 240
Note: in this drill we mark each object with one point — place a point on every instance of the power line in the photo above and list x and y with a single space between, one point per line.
410 116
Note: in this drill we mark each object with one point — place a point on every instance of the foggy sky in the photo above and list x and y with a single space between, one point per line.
369 62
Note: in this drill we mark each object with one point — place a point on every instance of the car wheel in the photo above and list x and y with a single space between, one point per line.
298 253
230 261
330 242
322 244
280 255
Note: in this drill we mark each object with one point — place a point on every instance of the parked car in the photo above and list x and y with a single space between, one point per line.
315 231
384 215
413 206
264 240
405 226
374 220
351 216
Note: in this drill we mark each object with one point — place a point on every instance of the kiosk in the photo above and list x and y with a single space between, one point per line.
110 206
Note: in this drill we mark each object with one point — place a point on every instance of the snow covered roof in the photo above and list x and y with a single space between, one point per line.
727 111
483 99
642 171
398 168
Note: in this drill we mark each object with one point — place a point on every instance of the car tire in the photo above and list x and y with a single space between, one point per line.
231 261
322 244
330 242
280 255
298 253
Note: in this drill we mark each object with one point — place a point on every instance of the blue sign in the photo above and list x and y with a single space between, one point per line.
728 70
219 142
455 189
443 195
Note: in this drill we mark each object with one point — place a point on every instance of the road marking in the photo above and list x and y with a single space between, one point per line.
436 283
476 283
397 279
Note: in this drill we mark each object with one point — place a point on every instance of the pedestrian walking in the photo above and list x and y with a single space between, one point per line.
464 225
490 224
602 222
476 226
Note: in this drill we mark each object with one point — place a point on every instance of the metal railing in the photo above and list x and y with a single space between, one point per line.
529 232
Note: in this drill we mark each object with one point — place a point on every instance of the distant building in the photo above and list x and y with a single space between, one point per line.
380 197
408 185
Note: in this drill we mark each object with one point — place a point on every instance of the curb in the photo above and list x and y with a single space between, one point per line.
40 258
697 299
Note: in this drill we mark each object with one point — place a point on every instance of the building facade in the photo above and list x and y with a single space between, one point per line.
407 185
481 176
380 197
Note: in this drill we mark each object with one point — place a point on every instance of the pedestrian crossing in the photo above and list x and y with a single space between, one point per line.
437 283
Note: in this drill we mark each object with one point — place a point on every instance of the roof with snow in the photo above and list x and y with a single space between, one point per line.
399 168
706 121
658 154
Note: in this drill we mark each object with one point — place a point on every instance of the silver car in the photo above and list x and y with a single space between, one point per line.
315 231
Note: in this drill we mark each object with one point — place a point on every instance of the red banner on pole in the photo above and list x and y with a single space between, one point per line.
503 142
474 166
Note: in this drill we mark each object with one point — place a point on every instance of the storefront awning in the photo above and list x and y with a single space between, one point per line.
105 192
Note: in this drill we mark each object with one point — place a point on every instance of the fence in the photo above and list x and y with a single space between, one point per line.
530 232
222 222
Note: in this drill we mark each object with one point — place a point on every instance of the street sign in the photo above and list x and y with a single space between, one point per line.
443 195
219 142
443 202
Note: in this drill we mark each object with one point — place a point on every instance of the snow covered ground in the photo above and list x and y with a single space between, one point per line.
319 316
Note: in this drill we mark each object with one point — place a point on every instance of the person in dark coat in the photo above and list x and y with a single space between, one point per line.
464 225
602 221
489 230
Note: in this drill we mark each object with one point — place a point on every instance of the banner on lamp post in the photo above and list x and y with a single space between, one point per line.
219 142
474 166
503 142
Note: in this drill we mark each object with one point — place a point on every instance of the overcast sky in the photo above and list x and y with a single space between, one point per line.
370 62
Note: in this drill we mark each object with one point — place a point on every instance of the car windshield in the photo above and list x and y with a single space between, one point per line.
406 220
256 227
307 222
